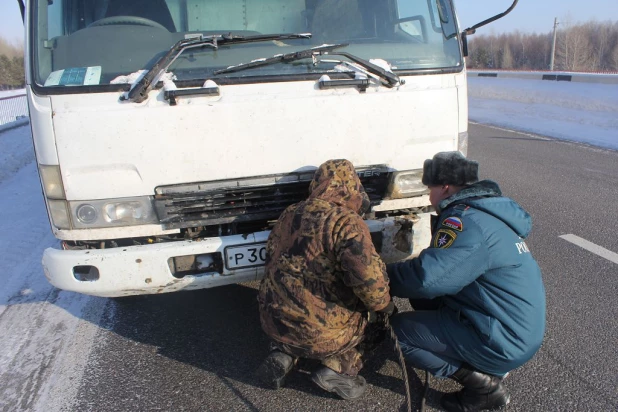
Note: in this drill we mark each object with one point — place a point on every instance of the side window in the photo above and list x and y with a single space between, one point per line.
413 19
430 21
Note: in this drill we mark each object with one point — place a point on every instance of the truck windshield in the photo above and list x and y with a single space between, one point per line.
100 42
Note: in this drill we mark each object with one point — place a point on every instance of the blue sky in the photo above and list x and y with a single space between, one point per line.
529 15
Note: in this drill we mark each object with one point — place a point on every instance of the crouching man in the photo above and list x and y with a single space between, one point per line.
322 277
477 291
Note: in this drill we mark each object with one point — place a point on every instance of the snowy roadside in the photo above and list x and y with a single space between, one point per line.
17 151
579 112
12 109
9 93
47 334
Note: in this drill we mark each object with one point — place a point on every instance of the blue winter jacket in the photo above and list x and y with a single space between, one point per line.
492 294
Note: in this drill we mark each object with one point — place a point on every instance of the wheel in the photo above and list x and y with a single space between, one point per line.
127 20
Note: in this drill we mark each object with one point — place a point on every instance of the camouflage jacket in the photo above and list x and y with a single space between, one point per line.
322 270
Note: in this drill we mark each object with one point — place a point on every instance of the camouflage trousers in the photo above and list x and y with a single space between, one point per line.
347 359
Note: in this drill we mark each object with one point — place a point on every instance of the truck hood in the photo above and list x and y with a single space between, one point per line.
112 149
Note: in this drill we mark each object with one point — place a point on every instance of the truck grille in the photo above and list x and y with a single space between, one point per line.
263 198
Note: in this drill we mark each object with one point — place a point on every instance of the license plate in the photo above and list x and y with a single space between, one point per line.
245 256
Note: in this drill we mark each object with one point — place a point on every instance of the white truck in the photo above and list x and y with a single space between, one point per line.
170 134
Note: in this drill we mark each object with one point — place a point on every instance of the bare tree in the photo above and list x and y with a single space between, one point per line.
580 50
599 36
582 47
10 49
506 62
613 58
11 65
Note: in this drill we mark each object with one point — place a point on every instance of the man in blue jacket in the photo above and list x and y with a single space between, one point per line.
477 292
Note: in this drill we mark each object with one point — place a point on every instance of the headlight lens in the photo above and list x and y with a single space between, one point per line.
407 184
86 214
113 212
124 212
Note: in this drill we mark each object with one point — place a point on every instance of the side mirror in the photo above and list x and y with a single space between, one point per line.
472 30
22 9
442 11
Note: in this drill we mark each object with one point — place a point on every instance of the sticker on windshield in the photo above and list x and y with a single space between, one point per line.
75 76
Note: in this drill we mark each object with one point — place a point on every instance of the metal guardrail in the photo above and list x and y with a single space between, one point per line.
575 77
13 108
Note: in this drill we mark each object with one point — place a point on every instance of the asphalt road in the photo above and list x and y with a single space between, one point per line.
196 351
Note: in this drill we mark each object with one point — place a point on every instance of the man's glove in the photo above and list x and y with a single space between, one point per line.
379 315
390 309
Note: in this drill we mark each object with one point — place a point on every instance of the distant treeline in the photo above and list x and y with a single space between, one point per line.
591 46
11 66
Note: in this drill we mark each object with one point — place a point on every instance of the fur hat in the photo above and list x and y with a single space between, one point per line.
450 168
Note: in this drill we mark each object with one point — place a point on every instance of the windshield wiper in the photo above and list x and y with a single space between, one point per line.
390 79
139 92
282 58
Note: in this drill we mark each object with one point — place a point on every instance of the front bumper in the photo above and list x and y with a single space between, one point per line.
144 269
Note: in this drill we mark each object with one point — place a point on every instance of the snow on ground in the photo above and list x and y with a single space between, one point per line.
46 333
9 93
581 112
12 108
16 151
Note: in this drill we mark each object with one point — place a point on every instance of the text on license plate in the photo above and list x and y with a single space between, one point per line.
245 256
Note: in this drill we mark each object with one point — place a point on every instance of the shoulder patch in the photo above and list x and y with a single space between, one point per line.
444 238
454 223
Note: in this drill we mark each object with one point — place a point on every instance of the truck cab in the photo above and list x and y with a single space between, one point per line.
170 134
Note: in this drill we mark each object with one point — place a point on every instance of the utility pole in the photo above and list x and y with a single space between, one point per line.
553 46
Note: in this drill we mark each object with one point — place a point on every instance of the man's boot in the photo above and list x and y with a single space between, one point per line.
481 392
348 387
274 369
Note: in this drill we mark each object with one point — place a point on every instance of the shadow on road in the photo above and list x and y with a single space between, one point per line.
213 329
218 331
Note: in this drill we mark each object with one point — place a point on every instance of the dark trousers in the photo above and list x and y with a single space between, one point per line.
422 341
347 359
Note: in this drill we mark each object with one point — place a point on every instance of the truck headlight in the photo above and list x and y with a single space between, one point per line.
125 212
52 181
408 183
113 212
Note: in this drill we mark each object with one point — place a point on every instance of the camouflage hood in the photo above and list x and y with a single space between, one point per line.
336 182
322 271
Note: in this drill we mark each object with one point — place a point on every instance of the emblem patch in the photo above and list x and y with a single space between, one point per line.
444 238
454 223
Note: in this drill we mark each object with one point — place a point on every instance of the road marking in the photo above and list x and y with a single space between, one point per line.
591 247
